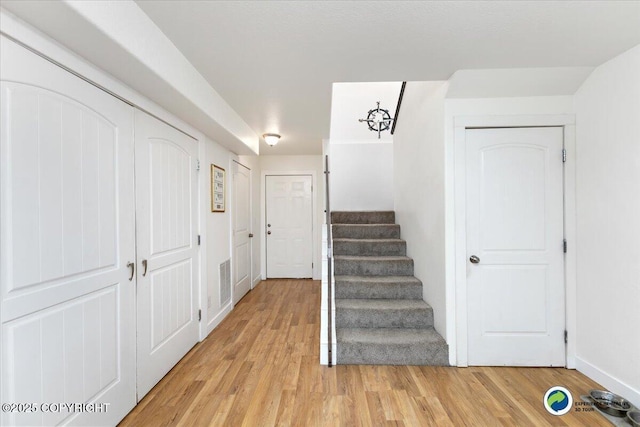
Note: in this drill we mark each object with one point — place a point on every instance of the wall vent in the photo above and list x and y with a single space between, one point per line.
225 282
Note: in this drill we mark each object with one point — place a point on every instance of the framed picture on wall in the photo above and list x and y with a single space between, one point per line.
217 189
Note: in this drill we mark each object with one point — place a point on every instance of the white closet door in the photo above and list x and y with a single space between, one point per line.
67 226
515 282
166 202
241 230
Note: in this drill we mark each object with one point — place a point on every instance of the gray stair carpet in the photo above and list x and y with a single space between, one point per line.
381 318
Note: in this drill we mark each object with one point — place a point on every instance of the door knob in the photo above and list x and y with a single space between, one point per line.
250 234
474 259
268 232
268 225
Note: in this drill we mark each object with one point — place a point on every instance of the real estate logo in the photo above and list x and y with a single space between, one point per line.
557 400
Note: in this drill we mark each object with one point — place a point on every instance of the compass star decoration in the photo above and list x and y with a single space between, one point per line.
378 119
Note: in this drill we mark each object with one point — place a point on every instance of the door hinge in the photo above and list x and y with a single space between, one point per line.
198 240
564 246
198 165
199 315
564 155
566 337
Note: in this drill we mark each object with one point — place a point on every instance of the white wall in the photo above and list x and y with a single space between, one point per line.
608 227
352 101
217 233
361 164
516 82
294 165
253 163
419 188
361 176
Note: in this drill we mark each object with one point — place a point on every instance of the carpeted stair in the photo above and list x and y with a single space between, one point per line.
381 318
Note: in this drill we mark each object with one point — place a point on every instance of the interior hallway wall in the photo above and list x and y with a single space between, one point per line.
418 165
361 176
608 231
217 233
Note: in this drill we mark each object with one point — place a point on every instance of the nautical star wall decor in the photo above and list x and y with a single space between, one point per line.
378 119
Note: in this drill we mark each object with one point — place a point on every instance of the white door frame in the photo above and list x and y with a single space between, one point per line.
461 123
314 218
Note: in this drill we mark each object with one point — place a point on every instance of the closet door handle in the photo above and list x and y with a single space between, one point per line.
132 266
144 264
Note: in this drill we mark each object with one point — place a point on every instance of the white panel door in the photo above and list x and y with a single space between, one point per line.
289 226
515 287
166 201
241 230
67 226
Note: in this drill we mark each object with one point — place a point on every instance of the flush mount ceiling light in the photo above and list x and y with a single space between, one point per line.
271 138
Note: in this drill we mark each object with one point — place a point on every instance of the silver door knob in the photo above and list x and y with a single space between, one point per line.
474 259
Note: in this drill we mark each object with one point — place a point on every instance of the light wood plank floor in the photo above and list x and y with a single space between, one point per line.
260 367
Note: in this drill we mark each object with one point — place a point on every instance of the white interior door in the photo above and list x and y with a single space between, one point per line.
67 226
515 288
289 226
166 200
241 230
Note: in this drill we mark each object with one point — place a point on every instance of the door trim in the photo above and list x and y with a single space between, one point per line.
459 250
315 237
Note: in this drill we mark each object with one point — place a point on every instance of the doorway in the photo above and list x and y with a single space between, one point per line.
167 250
515 287
289 226
241 226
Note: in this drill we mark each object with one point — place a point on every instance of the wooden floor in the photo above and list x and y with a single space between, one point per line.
260 367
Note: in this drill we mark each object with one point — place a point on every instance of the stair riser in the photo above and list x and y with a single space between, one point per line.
365 232
389 318
367 248
378 291
384 354
363 218
373 268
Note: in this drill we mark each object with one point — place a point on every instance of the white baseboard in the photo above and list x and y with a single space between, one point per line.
219 317
610 383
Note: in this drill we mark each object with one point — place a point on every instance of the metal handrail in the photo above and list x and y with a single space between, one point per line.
395 118
329 257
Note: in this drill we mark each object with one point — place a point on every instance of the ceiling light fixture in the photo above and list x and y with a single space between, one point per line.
271 138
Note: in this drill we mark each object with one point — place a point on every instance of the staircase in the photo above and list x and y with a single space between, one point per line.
380 317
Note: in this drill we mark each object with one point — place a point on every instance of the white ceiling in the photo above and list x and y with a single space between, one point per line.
274 62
